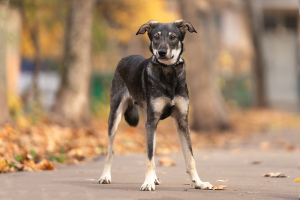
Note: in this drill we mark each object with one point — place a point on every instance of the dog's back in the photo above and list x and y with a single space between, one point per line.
130 69
127 80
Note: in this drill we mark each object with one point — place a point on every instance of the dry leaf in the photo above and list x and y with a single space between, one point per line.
17 164
275 175
44 165
29 165
290 147
76 153
297 180
256 162
222 180
265 146
219 187
166 161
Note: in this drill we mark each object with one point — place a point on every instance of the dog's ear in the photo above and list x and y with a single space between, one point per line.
147 27
184 26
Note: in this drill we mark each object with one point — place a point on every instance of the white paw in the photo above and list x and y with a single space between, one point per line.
203 186
148 186
157 181
105 179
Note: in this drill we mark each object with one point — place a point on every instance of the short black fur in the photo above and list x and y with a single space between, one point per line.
157 86
142 82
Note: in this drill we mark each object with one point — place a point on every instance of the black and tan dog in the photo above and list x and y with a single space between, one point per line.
158 87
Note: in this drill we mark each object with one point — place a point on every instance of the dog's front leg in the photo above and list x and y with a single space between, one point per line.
186 146
150 179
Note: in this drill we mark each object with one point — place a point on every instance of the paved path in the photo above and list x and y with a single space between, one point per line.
245 178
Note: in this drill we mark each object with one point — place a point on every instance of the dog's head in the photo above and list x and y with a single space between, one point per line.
166 39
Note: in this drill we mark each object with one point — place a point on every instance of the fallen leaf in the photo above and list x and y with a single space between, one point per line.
275 175
45 165
17 164
265 146
29 165
297 180
76 153
290 147
90 179
222 180
219 187
255 162
3 165
166 161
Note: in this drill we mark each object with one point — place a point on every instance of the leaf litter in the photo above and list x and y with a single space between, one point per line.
44 145
275 175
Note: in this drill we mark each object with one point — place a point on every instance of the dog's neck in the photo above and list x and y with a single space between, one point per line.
156 62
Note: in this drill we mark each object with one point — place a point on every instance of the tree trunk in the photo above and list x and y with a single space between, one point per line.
208 106
254 16
37 59
72 101
4 112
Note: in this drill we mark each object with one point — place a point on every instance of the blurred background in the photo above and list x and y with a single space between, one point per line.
57 60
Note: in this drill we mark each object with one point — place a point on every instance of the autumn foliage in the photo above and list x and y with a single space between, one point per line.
44 145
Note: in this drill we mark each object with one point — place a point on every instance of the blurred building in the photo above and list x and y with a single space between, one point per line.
280 45
278 27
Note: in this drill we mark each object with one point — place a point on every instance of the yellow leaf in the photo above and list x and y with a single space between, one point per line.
297 180
219 187
166 161
45 165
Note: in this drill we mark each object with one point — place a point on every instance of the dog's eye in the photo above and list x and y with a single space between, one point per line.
156 37
172 37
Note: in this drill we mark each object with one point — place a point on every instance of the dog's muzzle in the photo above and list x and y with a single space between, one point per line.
162 53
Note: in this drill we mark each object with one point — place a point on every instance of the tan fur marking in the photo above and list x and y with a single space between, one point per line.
159 103
182 104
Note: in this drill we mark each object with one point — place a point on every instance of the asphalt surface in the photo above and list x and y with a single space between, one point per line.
242 169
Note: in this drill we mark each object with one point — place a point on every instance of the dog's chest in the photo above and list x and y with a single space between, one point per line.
165 85
165 106
164 81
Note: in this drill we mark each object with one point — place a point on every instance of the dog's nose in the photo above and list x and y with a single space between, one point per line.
162 52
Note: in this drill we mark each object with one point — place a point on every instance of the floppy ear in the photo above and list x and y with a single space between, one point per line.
147 27
184 26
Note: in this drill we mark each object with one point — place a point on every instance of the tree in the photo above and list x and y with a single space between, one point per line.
41 39
208 106
254 17
72 101
37 59
4 112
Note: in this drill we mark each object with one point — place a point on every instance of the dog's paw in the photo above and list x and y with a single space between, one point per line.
148 187
203 186
157 181
105 180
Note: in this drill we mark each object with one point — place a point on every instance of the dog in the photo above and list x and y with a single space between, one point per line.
157 86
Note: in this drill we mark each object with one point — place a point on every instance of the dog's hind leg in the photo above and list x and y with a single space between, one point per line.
119 103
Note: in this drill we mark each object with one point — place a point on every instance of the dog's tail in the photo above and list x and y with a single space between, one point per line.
131 115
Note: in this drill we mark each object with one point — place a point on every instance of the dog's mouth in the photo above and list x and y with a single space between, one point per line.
165 57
